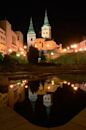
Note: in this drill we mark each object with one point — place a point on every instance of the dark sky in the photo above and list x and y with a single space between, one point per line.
68 21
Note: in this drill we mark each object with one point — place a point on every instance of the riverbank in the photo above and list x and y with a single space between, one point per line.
34 72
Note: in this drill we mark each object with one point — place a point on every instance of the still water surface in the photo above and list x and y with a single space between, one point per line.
48 102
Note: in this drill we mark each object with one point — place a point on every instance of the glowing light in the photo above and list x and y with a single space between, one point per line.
65 82
48 87
18 83
68 47
52 53
22 52
24 81
11 86
25 47
72 85
68 83
64 50
10 50
47 45
52 82
80 49
76 50
26 86
74 46
36 45
75 88
18 55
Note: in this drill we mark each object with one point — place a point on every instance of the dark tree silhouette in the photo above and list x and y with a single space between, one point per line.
33 55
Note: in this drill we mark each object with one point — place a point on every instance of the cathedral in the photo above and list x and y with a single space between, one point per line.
45 42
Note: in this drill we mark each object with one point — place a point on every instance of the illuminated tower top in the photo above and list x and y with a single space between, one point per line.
31 35
31 28
46 21
46 28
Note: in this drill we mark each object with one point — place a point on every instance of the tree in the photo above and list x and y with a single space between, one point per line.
33 55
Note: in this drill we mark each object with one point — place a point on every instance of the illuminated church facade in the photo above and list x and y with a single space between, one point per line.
45 43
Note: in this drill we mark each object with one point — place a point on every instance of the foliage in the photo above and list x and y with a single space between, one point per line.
33 55
43 58
1 58
72 58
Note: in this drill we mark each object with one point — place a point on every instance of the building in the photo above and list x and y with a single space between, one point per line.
45 43
9 40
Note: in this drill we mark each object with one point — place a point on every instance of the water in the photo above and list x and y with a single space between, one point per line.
49 102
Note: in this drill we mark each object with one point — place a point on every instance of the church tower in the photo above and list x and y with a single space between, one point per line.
31 35
46 28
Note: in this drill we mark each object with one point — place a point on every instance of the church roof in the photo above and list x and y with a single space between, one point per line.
46 21
31 28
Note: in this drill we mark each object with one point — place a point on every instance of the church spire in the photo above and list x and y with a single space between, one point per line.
31 28
46 21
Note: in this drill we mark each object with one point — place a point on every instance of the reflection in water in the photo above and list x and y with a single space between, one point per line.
47 102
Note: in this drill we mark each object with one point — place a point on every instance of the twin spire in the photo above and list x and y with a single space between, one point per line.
31 28
46 22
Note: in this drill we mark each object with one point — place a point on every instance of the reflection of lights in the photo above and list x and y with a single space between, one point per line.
26 86
18 83
68 47
68 83
48 87
65 82
24 81
52 82
72 85
11 86
75 88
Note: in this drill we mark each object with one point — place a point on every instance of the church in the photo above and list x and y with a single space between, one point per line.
45 42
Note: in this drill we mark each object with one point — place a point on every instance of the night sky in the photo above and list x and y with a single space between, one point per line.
68 21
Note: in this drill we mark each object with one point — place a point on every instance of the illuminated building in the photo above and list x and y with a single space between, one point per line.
45 42
9 40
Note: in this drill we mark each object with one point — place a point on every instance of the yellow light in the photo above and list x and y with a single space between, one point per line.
72 85
47 45
75 88
18 55
24 81
80 49
26 86
10 50
68 47
68 83
74 46
76 50
48 87
22 52
64 50
52 53
11 86
52 82
65 82
25 47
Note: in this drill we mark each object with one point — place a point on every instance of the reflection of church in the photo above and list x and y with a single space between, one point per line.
45 43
